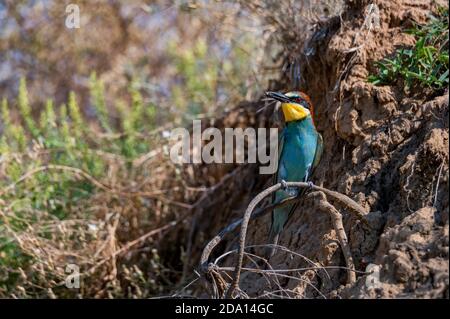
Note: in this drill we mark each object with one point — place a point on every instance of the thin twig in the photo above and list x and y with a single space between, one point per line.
339 227
437 184
233 226
81 173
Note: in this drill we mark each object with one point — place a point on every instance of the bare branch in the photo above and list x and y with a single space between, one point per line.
338 198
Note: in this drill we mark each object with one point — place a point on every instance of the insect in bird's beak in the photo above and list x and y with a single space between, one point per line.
278 97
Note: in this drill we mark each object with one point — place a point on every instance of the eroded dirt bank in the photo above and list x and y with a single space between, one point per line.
385 149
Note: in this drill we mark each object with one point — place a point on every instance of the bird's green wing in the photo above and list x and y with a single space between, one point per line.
280 150
319 151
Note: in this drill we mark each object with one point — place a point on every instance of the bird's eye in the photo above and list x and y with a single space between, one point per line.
301 101
304 103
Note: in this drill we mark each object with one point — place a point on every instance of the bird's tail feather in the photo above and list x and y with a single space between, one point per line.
279 218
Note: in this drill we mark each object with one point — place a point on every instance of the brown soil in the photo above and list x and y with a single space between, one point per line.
385 149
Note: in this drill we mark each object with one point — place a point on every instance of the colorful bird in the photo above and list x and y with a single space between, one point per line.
300 149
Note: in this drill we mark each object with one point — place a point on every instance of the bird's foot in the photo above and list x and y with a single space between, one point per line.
310 186
283 185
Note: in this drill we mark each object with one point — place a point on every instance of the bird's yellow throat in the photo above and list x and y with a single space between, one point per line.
294 112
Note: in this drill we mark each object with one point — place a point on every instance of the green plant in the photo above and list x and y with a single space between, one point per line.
25 108
98 101
425 64
51 167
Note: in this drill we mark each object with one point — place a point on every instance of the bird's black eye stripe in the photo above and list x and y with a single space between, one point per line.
300 100
304 104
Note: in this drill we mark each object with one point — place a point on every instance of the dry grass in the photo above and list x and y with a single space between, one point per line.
103 234
133 230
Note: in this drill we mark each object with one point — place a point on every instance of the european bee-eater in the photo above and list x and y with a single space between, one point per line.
300 149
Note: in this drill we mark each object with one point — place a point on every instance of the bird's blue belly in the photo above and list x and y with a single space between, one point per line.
298 153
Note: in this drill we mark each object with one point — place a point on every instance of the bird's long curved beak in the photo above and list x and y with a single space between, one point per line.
278 96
